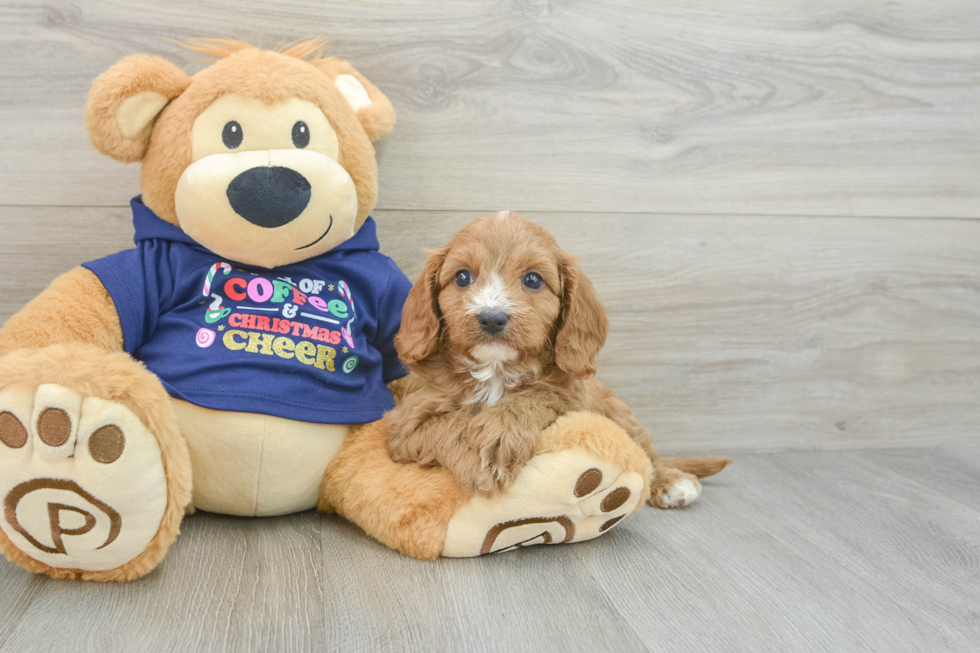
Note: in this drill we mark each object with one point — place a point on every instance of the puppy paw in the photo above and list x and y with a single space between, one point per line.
501 460
674 489
496 475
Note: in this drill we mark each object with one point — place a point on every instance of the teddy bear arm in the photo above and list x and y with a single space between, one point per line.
587 475
76 307
82 419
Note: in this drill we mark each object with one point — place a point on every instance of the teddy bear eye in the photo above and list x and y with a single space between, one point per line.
301 135
533 281
464 278
232 135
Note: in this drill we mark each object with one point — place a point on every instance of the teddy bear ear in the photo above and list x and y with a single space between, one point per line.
126 99
373 109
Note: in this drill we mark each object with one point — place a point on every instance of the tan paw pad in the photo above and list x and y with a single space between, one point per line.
82 483
560 497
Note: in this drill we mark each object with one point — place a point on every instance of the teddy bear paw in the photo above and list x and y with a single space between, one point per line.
81 479
566 496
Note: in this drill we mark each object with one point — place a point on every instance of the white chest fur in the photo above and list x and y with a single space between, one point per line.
491 372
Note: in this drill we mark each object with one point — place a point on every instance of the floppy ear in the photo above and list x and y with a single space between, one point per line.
421 320
126 99
584 323
373 109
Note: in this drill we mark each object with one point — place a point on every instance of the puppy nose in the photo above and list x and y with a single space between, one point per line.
269 196
493 321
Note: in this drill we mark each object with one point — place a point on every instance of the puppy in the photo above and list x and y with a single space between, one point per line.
500 334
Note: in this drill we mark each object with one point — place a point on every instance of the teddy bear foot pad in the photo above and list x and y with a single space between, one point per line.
81 479
575 496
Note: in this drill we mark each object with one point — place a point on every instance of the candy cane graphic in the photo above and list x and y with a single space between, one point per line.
214 270
344 290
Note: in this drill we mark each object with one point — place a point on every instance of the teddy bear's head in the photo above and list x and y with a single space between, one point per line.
264 158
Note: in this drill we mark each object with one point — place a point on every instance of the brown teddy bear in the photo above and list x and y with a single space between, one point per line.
230 361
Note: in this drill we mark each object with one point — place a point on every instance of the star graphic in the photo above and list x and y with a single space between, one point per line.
200 303
345 349
330 287
221 327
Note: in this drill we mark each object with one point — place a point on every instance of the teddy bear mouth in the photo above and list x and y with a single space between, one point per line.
329 227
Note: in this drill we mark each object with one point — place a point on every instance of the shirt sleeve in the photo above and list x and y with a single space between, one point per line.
140 284
389 321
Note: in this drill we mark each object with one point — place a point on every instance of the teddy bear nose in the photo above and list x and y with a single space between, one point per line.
269 196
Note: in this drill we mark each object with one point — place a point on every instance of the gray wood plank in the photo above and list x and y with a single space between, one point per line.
793 551
465 604
310 582
809 551
728 332
834 107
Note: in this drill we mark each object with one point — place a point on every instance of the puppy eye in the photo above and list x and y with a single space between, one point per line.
464 278
232 135
301 135
533 281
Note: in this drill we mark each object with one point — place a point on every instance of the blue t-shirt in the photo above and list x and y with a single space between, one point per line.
312 341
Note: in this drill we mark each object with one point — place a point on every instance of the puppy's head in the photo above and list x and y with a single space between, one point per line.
503 290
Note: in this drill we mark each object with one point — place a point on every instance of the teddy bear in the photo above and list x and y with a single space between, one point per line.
239 359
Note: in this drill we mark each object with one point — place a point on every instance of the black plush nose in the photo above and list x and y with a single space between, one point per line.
492 321
269 197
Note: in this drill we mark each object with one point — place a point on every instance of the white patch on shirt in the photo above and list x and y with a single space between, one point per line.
489 369
493 295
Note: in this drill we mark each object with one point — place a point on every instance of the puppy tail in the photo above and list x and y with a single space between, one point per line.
700 467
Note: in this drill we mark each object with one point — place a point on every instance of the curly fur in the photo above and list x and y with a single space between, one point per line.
477 403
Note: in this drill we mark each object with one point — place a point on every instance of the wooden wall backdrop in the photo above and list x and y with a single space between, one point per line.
777 199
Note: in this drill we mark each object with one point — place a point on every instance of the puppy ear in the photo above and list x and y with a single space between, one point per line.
373 109
126 99
419 333
583 323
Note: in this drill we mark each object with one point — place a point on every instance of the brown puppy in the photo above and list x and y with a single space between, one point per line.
500 333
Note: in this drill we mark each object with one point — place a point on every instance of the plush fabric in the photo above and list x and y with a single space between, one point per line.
218 335
255 465
75 307
87 371
571 491
150 382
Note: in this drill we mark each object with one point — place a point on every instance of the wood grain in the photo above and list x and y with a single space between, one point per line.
763 107
728 333
815 551
676 145
764 333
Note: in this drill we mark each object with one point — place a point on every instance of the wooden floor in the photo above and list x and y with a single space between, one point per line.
804 551
779 202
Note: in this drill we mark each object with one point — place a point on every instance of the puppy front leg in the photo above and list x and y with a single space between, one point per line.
418 432
505 435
